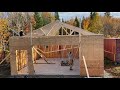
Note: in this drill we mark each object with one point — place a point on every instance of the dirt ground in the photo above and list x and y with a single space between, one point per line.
4 70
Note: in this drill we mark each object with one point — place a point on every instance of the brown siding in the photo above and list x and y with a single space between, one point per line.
110 49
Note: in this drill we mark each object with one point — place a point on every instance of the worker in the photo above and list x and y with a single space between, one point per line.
21 33
70 57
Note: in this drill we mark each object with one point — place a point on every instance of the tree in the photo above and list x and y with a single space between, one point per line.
57 16
63 20
82 23
85 23
107 14
111 27
18 20
91 15
48 17
3 33
95 23
71 21
76 22
38 20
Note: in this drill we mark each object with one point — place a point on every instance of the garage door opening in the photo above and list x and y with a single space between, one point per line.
48 59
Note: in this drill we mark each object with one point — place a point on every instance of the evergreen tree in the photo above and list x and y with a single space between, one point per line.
77 23
91 15
62 20
107 14
82 23
38 19
57 16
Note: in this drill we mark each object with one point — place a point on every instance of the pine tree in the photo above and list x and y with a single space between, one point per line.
38 19
107 14
91 15
77 23
57 16
82 23
62 20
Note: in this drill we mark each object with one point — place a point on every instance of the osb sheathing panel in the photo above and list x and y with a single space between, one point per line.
44 40
92 49
19 42
95 71
93 63
13 64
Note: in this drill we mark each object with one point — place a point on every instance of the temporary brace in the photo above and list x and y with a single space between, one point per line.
44 56
56 50
5 58
86 67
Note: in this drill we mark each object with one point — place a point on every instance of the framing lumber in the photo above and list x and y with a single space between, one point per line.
5 58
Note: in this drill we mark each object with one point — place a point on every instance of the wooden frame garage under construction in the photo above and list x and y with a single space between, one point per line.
90 45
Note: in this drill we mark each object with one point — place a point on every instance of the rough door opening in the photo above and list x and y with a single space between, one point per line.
21 61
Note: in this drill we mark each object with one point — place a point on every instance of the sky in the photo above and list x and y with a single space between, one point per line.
69 15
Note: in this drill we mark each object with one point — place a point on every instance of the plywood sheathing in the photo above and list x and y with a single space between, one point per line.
93 50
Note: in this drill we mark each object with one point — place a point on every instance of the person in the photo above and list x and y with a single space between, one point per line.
70 57
21 33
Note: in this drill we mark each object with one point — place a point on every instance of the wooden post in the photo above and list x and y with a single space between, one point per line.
30 62
62 31
33 56
20 58
79 48
51 50
13 61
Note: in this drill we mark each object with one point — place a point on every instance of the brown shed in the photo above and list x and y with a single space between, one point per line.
112 49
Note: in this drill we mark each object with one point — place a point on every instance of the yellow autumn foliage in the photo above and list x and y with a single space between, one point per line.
3 25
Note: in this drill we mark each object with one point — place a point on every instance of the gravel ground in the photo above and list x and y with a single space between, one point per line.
107 75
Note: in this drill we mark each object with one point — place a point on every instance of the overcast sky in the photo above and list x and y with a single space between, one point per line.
69 15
